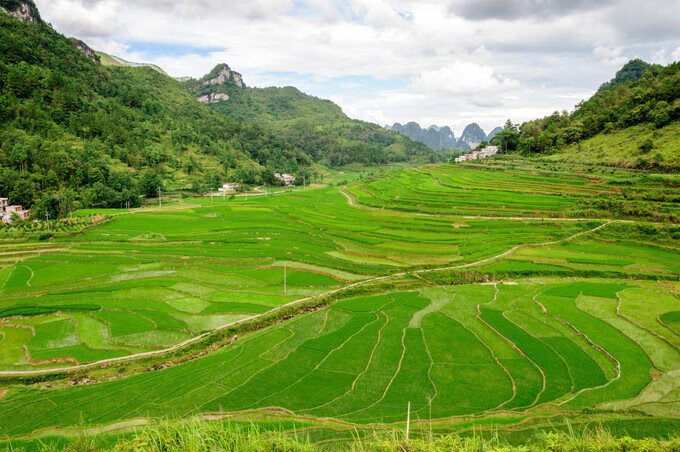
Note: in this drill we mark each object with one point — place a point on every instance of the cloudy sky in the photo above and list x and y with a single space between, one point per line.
444 62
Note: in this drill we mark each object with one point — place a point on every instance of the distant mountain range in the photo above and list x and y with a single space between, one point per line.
443 137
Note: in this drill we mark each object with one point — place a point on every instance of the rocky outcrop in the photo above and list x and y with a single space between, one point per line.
442 137
80 45
471 137
224 74
493 133
435 137
24 10
211 98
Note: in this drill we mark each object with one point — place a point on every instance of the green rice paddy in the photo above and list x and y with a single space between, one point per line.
478 296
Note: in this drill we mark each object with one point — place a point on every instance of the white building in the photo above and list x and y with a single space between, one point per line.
229 186
6 211
288 179
474 155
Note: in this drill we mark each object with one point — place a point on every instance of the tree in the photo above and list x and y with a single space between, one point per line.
22 194
508 138
149 183
198 186
48 205
20 155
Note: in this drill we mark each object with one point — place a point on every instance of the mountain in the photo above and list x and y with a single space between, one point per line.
434 137
630 72
472 136
493 133
630 124
443 137
316 126
111 60
74 131
23 10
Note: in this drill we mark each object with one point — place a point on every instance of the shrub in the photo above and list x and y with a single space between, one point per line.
647 145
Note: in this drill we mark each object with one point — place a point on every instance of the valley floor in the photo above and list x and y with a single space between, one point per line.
489 298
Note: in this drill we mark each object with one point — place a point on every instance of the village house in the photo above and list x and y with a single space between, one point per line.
289 180
488 151
7 211
229 186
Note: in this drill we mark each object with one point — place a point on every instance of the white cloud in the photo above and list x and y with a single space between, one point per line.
450 70
378 117
110 46
664 57
351 85
82 17
611 56
462 78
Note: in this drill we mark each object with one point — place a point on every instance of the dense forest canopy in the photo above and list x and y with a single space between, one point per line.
630 72
316 126
90 135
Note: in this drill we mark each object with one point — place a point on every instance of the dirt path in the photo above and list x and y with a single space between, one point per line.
34 251
302 300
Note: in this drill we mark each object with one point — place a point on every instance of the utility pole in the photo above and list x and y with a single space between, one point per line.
47 215
408 420
304 181
211 193
160 203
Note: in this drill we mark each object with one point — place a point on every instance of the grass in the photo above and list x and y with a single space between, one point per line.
231 435
622 147
360 360
225 260
589 323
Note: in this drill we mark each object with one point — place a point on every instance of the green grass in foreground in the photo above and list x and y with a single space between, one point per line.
226 436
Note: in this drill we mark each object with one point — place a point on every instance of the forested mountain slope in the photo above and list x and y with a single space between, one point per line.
630 123
317 126
92 135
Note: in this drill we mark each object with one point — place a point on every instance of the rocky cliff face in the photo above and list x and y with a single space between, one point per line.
218 85
24 10
80 45
434 137
471 137
224 74
442 137
211 98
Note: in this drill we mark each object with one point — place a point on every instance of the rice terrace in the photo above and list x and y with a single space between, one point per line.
480 297
198 259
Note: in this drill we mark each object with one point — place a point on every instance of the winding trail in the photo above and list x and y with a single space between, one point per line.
332 292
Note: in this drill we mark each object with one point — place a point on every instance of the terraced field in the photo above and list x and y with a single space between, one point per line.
470 349
502 191
148 281
439 299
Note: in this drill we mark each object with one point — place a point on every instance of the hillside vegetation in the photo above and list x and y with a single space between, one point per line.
317 126
79 134
202 435
632 122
